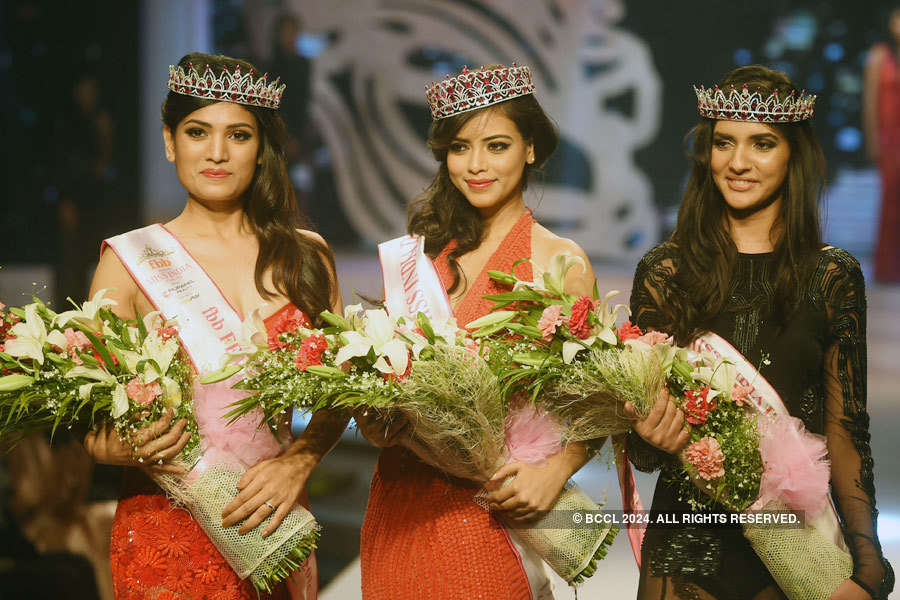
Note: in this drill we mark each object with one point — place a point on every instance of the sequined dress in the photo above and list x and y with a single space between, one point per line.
159 552
818 367
423 535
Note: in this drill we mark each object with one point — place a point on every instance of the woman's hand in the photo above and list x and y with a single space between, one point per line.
663 427
532 492
380 432
151 448
849 590
272 486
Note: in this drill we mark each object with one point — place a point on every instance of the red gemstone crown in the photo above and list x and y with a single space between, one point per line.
228 86
476 89
745 105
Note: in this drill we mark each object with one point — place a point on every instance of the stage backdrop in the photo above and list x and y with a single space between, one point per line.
595 79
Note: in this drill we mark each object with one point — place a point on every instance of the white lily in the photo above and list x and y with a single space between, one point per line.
252 338
31 335
608 317
446 329
95 373
377 334
354 314
570 348
720 376
119 401
172 392
159 350
87 314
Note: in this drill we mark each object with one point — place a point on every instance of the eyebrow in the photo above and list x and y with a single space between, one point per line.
487 139
755 136
231 126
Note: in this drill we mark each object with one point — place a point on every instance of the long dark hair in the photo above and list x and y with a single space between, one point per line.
301 267
706 251
442 213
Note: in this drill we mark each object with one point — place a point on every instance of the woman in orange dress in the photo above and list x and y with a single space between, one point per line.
240 228
423 534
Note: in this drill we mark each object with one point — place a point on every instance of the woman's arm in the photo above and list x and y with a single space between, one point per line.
154 446
661 432
535 487
279 482
847 423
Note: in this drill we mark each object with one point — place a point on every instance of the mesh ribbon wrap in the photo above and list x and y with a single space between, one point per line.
806 563
571 551
207 489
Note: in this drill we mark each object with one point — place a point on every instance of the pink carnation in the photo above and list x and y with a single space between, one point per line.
549 321
140 393
706 455
76 340
740 393
652 338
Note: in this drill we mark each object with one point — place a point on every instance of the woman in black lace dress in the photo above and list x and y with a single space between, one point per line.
747 262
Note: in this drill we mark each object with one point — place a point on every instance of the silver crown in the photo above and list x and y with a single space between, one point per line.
745 105
228 86
476 89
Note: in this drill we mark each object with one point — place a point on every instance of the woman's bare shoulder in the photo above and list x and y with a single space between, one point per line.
111 275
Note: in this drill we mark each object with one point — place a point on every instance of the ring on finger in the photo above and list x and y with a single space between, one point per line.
270 505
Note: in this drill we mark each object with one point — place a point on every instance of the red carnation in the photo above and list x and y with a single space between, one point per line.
698 404
311 351
628 331
578 322
286 321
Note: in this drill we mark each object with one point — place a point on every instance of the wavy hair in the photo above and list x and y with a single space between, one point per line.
442 213
705 248
301 267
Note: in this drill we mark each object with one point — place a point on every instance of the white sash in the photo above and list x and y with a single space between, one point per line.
766 400
411 286
411 283
180 289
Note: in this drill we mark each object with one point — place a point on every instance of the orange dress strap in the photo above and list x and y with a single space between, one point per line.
423 535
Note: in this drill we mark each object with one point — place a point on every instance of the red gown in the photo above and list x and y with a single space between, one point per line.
423 535
159 552
887 251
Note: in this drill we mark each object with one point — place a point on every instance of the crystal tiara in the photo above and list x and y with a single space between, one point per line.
227 87
745 105
476 89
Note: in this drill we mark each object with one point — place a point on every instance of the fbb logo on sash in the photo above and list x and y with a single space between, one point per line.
156 259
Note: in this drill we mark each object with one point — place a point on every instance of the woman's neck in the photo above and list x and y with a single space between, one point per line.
211 219
498 220
752 233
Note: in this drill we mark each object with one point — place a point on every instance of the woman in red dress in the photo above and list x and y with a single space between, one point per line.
423 534
881 118
240 225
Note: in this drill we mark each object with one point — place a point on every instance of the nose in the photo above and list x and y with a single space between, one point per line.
218 148
476 161
739 161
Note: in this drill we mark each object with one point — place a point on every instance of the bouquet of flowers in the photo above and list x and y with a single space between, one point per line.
568 350
88 365
436 377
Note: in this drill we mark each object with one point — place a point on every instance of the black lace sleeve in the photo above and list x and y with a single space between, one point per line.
652 280
846 419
